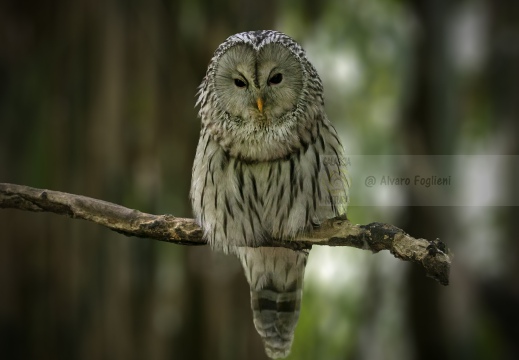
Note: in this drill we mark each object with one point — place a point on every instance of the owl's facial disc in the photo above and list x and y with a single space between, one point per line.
258 86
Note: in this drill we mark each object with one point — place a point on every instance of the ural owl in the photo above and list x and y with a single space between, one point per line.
267 166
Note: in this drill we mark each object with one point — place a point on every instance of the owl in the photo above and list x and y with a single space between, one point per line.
268 166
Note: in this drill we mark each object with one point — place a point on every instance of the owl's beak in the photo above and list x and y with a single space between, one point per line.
259 102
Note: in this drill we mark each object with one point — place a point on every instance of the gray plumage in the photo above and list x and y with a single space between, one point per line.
268 165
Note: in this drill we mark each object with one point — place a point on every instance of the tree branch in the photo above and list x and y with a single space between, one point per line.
432 255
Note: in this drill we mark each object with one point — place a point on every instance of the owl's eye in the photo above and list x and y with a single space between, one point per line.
239 83
276 79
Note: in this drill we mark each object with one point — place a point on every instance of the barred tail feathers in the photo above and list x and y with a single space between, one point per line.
275 276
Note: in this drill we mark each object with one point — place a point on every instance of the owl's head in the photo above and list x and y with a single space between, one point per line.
260 92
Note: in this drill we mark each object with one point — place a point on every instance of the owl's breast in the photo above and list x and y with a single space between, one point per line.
246 203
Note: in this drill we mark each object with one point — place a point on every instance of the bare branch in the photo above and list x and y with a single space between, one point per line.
115 217
432 255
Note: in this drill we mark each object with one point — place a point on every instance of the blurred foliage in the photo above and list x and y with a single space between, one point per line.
97 98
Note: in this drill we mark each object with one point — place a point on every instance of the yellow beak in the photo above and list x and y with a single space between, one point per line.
259 102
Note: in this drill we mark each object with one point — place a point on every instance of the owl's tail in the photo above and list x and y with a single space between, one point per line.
275 276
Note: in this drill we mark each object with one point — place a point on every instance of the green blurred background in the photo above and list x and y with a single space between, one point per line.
97 98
